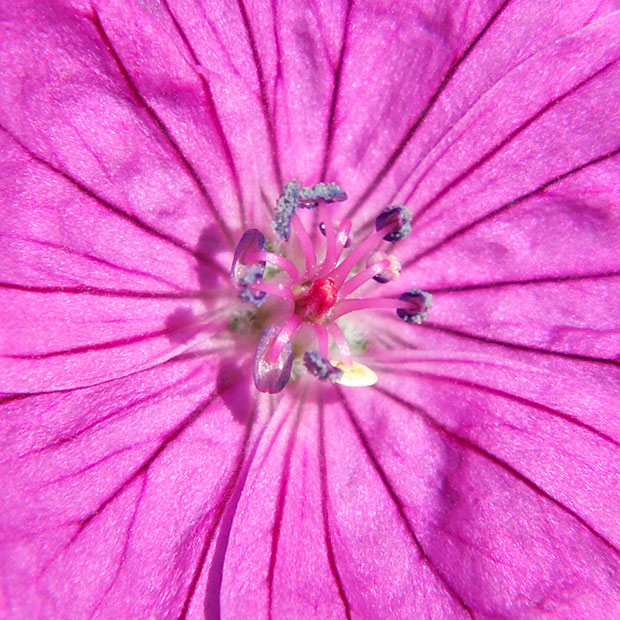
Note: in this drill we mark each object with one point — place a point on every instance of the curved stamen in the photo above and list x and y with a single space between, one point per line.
277 290
272 375
283 338
275 259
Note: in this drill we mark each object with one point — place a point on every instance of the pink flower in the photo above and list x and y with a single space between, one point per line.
144 475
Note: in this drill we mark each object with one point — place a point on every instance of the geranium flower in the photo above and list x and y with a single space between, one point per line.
174 176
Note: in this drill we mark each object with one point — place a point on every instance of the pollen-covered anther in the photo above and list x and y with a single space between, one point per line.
396 221
390 273
294 197
321 368
418 304
246 270
272 375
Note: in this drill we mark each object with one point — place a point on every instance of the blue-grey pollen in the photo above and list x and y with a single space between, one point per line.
309 197
253 275
245 270
294 197
420 303
398 218
318 366
285 209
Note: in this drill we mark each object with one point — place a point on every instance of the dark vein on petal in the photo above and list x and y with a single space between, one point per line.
423 115
333 105
133 219
90 466
448 187
519 347
459 232
213 113
480 387
101 346
118 413
220 507
398 504
167 440
526 282
278 50
9 397
446 432
123 556
98 260
187 165
281 500
273 140
331 556
83 289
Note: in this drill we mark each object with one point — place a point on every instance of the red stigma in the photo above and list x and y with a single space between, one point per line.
315 302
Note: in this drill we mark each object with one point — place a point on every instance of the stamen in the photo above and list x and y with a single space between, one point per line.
419 302
272 375
408 303
370 273
320 367
252 294
337 241
390 273
309 197
247 270
342 271
277 290
398 218
284 338
322 338
285 209
341 342
306 245
275 259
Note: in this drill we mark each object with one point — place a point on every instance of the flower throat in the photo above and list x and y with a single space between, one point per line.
313 298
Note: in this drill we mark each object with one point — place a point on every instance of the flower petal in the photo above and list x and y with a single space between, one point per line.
511 504
122 484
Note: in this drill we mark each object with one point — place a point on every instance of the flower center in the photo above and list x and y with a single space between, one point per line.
313 303
313 298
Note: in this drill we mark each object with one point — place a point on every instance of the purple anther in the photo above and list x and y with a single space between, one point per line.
272 377
419 304
397 220
285 209
390 273
244 272
309 197
318 366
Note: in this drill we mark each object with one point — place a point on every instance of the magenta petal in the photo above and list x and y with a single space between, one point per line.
144 475
121 484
